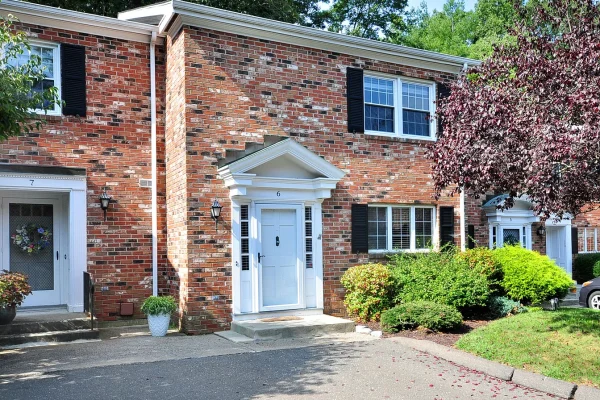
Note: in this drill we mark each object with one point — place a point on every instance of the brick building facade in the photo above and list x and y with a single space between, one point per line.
313 143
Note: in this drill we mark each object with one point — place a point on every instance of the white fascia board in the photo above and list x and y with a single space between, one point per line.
289 146
226 21
158 9
53 17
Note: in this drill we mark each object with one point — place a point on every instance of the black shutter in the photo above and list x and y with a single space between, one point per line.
72 63
355 97
446 226
574 241
360 230
443 91
471 236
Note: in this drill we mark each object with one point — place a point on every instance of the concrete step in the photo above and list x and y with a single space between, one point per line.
292 327
18 327
48 337
569 302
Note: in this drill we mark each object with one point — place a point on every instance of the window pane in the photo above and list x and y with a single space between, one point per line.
401 228
377 228
423 227
378 118
415 96
511 236
415 123
379 91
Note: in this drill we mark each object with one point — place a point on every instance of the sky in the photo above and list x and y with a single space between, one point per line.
437 4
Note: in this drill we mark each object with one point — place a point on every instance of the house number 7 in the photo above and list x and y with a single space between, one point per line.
32 180
278 193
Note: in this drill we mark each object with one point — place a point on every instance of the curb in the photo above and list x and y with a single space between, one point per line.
532 380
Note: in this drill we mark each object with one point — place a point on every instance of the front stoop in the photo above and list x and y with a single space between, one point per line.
39 327
282 328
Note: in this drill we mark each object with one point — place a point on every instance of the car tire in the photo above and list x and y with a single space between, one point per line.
594 300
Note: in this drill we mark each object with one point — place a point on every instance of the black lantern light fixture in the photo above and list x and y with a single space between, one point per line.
215 211
104 202
541 231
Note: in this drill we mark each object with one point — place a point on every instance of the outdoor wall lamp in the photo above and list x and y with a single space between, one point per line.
215 211
104 202
541 230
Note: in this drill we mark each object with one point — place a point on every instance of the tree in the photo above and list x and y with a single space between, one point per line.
22 88
371 19
294 11
527 120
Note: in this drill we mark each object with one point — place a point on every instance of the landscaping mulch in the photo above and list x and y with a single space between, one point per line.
443 338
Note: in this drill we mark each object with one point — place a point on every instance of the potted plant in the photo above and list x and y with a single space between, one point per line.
13 290
159 309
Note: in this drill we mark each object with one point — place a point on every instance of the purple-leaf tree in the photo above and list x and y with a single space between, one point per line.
527 120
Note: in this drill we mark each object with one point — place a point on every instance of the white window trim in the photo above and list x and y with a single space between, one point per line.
57 111
524 232
398 107
413 235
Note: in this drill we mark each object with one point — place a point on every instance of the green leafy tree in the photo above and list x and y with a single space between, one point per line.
373 19
294 11
21 84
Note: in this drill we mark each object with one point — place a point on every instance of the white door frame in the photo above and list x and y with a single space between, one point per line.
565 224
60 293
300 254
75 187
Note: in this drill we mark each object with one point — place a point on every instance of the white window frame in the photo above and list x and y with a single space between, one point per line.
524 235
413 235
57 111
398 107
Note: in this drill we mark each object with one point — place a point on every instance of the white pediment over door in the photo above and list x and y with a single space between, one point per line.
286 165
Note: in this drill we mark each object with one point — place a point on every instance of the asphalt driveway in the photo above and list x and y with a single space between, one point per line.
208 367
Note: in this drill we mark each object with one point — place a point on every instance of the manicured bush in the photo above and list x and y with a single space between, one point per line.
482 261
157 305
426 314
441 277
596 269
583 266
500 307
368 290
531 277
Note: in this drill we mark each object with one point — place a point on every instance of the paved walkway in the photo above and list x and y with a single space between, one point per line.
208 367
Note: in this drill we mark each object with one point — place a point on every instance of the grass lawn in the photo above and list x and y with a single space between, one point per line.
563 344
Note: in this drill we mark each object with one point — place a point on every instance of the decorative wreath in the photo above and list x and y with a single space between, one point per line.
32 238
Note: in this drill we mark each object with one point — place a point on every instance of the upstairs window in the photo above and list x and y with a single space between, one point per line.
49 56
399 107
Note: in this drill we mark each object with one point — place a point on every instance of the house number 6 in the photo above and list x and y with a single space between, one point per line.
278 193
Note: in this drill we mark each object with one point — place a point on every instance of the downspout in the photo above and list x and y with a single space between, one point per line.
463 241
154 173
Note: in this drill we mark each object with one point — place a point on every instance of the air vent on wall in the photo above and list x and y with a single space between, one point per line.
146 183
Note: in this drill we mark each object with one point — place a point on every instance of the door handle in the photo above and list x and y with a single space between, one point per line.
57 256
259 257
277 241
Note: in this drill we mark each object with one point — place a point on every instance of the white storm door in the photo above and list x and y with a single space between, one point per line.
41 266
556 245
280 266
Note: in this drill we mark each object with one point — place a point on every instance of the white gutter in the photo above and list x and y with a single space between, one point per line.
154 173
463 234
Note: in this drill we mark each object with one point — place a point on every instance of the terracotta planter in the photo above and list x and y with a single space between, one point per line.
7 314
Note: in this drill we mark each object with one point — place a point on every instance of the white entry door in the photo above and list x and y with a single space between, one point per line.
38 255
556 245
279 264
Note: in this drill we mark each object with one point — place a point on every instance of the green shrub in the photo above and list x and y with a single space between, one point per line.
583 266
367 290
597 269
441 277
156 305
482 261
500 307
530 276
427 314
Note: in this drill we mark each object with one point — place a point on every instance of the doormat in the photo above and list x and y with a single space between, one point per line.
281 319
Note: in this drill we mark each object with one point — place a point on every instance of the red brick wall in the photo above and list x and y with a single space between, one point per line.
113 144
238 89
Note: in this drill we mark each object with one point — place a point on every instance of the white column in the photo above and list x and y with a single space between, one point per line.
318 250
77 248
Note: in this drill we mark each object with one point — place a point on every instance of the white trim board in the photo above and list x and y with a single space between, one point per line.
182 13
77 21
